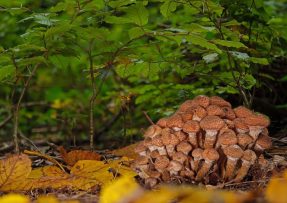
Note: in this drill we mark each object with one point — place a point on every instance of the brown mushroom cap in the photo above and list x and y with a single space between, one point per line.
229 123
240 124
154 154
257 120
219 101
140 147
210 154
191 127
229 113
211 123
244 139
175 121
161 162
180 135
179 156
162 122
214 110
184 147
152 131
202 100
242 112
264 142
165 131
249 155
233 151
186 116
198 112
147 142
153 174
174 166
141 160
185 105
197 153
228 137
157 141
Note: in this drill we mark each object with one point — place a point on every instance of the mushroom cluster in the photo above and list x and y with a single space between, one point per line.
205 140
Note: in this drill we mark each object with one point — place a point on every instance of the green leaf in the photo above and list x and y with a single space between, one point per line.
117 20
58 29
138 14
6 71
240 55
203 43
136 32
168 7
119 3
229 43
262 61
210 57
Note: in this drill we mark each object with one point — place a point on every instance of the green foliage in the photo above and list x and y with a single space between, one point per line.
155 53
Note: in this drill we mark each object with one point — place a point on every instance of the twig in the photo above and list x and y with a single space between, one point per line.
148 118
17 108
26 138
6 120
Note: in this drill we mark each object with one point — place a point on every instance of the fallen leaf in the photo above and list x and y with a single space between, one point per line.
88 173
13 172
124 188
14 198
128 151
276 190
73 156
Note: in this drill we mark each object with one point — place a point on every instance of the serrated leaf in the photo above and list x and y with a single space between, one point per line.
229 43
136 32
199 41
168 7
58 29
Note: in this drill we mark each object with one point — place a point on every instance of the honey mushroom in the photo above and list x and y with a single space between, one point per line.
191 128
233 154
175 122
197 157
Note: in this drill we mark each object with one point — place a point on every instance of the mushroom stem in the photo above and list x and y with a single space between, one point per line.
210 138
230 167
203 170
242 171
192 138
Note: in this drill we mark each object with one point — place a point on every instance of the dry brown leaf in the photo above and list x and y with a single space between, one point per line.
128 151
13 173
76 155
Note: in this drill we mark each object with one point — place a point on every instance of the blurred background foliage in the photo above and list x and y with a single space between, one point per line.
143 56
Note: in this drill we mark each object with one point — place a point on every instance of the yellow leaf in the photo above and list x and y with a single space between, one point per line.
88 173
14 171
14 198
124 188
276 191
128 151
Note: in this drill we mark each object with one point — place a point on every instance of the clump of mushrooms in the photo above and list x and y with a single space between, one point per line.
205 136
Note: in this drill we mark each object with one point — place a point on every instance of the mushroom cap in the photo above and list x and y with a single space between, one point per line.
184 147
147 142
197 153
229 113
186 116
140 147
165 131
214 110
152 131
219 101
210 154
157 141
244 139
233 151
154 154
242 112
170 139
191 127
257 120
185 105
198 111
174 165
240 124
211 123
175 121
229 123
202 100
264 141
162 122
228 137
153 174
161 162
265 131
179 156
141 160
180 135
249 155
